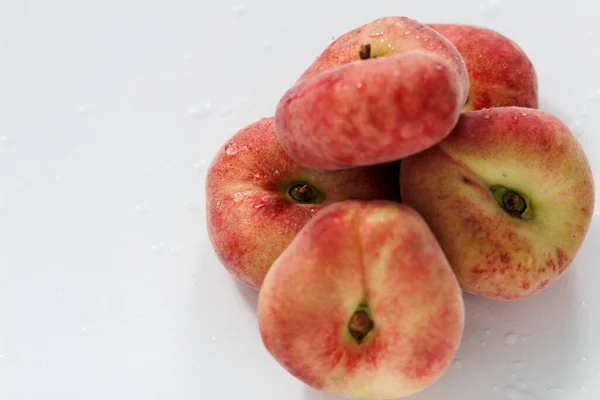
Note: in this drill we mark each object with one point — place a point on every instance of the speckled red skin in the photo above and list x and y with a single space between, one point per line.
369 112
500 72
379 252
494 254
251 220
388 36
346 112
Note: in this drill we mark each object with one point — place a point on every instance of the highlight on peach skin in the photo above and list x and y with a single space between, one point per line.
363 303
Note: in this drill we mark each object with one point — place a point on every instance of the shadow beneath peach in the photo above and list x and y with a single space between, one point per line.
248 295
508 343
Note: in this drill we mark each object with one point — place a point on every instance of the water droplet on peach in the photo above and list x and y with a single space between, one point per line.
238 197
231 149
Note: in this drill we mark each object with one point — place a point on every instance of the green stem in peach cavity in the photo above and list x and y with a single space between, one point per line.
512 202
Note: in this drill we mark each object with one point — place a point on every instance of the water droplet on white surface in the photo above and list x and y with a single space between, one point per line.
188 57
175 249
225 111
511 338
526 338
142 208
86 330
584 359
239 9
554 389
214 338
201 165
583 304
231 149
190 205
512 376
491 9
515 393
268 47
522 384
583 113
158 247
201 112
577 128
57 178
518 364
495 388
457 364
595 96
81 110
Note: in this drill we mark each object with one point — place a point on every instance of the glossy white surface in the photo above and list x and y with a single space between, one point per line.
110 112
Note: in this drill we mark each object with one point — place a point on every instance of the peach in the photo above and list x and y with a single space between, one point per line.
379 93
385 37
257 198
509 194
363 303
500 72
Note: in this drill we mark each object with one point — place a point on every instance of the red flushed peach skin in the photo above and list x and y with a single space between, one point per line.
509 194
363 303
369 112
385 37
500 72
257 198
381 92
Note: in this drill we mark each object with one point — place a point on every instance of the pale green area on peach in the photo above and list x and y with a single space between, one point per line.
546 194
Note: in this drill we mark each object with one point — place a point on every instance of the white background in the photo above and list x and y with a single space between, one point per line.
110 112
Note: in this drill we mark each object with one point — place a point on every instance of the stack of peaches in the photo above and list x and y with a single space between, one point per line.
407 164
